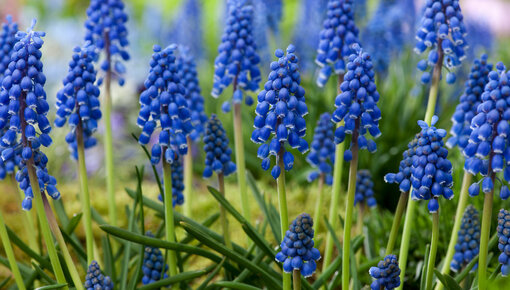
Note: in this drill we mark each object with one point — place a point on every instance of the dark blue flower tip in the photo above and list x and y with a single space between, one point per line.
322 148
95 279
386 274
503 231
217 151
468 241
154 267
297 250
364 189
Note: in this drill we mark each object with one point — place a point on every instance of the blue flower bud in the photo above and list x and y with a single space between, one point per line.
387 274
218 152
95 279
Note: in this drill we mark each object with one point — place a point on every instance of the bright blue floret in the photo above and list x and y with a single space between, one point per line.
403 177
7 41
386 274
78 100
177 182
322 153
107 21
469 102
237 58
431 173
357 104
23 110
154 267
468 242
488 152
95 280
280 111
297 248
164 105
364 189
442 32
217 151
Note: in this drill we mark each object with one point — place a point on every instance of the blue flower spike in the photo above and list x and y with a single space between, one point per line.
364 189
154 267
338 34
297 248
503 230
217 151
442 33
403 177
280 113
357 104
96 280
469 102
386 274
322 150
7 41
468 243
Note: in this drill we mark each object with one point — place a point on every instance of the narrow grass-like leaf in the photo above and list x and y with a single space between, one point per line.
211 275
185 276
59 207
25 270
50 287
4 282
45 263
492 243
208 222
73 223
125 264
448 281
97 217
336 241
154 170
274 223
356 285
495 273
234 285
43 274
423 276
108 261
76 246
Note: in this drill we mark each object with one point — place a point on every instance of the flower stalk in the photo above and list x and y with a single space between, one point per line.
240 159
319 202
296 279
4 236
401 206
484 235
433 250
169 217
284 216
188 180
223 213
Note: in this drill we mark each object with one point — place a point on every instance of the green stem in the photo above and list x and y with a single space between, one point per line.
188 180
433 250
28 219
401 206
10 254
85 196
169 216
284 216
240 161
484 239
463 199
436 77
406 236
223 213
296 279
319 202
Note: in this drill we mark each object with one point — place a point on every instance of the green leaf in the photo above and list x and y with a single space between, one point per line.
4 282
154 170
234 285
56 286
209 221
76 246
43 274
212 275
448 281
492 243
356 285
109 263
274 223
45 263
174 279
423 278
73 223
125 263
336 241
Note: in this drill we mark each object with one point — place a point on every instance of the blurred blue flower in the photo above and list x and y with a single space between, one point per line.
96 280
504 241
154 267
177 182
480 38
468 242
364 189
403 177
386 274
217 152
297 248
187 27
23 110
7 41
280 111
322 153
357 104
267 17
469 102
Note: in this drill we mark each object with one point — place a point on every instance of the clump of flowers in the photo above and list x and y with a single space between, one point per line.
468 242
338 35
442 32
297 248
154 267
322 152
504 244
403 177
386 274
280 112
357 104
96 280
217 152
78 100
364 189
7 41
469 102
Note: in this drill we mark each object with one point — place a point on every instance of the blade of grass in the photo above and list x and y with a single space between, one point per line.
45 262
185 276
492 243
448 281
125 263
208 222
50 287
423 278
356 285
234 285
73 223
212 275
43 274
108 262
274 223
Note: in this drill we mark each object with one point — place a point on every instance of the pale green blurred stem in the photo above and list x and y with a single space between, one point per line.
223 213
284 216
10 254
240 161
188 180
433 250
401 206
484 237
319 202
169 216
28 219
463 199
296 279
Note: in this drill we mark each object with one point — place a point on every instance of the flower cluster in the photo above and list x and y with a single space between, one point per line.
7 41
189 77
217 151
336 38
154 267
163 103
469 102
488 146
297 248
357 104
403 177
106 29
177 182
322 153
95 280
504 241
468 241
280 111
442 31
237 59
78 100
386 274
364 188
187 27
23 110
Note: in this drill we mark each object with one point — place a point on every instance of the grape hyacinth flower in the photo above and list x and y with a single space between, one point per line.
443 33
338 34
504 241
187 27
364 189
469 102
322 150
357 104
468 240
7 41
403 177
96 280
280 111
297 248
154 266
177 182
386 274
217 151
